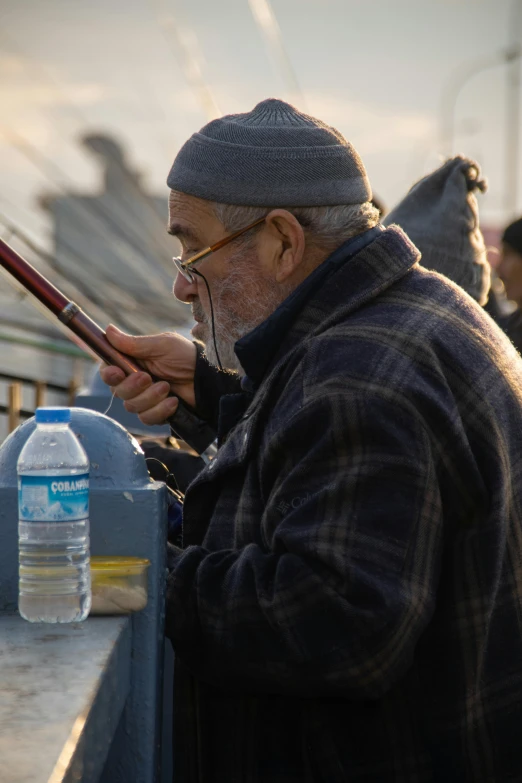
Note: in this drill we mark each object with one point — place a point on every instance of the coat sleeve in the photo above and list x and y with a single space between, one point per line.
334 599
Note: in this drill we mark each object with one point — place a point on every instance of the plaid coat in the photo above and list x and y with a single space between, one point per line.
348 602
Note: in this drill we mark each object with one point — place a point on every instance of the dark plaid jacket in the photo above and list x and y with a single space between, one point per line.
348 603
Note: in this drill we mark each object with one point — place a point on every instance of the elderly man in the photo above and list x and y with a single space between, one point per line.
347 605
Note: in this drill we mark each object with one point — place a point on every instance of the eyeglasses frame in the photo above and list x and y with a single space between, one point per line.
183 266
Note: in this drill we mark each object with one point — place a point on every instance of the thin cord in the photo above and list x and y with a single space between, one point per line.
96 215
196 272
90 296
89 300
110 404
266 21
182 46
177 492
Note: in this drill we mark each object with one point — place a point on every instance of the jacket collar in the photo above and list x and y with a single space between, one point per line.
378 258
370 273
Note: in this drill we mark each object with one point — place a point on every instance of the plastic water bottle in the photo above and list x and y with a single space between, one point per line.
53 527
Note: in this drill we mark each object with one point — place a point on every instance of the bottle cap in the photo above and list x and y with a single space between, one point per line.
53 415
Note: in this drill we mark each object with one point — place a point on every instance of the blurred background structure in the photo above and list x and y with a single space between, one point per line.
96 99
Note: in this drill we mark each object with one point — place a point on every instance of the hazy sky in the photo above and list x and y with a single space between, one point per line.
376 70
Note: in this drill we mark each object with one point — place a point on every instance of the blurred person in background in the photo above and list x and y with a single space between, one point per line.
508 293
346 603
510 266
442 220
440 216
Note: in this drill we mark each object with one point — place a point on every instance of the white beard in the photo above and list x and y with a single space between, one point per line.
225 349
262 299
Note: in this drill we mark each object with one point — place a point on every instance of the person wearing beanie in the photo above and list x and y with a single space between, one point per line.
346 602
506 286
440 216
510 267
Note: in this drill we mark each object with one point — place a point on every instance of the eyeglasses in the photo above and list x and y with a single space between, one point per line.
182 266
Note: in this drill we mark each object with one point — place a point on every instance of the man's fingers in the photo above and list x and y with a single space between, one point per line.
140 347
132 385
112 376
161 412
150 396
150 400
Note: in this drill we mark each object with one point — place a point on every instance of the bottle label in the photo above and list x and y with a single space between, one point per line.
53 498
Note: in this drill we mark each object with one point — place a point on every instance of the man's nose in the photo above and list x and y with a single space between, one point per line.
184 290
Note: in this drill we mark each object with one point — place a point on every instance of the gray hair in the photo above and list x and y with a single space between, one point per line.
328 226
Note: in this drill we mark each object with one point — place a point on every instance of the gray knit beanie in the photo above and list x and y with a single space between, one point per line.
273 156
440 215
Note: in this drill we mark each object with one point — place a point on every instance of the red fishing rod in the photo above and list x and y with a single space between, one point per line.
185 424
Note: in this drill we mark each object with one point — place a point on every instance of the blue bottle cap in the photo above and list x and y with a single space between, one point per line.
53 415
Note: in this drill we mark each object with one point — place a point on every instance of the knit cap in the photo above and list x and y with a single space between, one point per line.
440 215
513 235
272 156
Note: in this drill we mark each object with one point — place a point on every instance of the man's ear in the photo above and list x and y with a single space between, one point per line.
288 243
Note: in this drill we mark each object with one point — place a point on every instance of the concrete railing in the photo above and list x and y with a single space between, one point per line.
83 702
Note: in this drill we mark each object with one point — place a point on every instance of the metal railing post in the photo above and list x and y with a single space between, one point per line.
14 405
40 389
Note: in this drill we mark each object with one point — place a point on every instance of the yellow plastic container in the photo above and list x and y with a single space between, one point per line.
119 584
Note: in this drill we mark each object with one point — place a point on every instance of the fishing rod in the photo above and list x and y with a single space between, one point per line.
185 423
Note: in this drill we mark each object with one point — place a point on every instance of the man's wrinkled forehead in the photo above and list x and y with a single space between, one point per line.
191 219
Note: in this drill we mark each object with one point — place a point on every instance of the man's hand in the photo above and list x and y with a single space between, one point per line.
168 356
